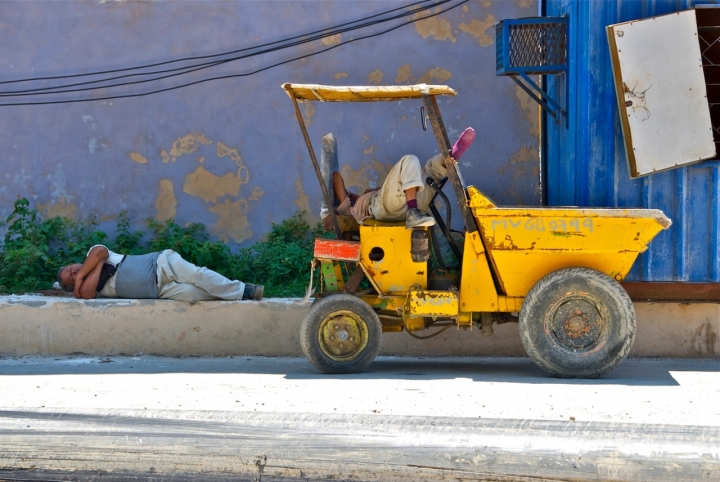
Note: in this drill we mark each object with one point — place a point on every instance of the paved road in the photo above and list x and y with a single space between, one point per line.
276 419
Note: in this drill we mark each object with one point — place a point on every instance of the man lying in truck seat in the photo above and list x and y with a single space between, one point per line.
149 276
403 195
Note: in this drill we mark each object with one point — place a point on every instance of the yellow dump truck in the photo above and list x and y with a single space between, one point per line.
554 270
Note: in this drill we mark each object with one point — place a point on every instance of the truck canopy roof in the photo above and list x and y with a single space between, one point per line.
363 93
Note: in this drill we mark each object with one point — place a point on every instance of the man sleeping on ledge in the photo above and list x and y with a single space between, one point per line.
150 276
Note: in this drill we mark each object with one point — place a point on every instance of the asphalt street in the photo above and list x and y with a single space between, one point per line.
155 418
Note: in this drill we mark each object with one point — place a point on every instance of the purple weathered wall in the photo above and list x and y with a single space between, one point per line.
228 153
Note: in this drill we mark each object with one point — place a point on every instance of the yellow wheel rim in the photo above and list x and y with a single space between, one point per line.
342 336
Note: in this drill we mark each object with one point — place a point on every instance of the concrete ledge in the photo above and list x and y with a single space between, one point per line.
35 325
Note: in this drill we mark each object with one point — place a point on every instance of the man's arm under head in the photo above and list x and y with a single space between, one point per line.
88 277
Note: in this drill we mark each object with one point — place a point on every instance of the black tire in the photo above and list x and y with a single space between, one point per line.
577 323
341 334
319 298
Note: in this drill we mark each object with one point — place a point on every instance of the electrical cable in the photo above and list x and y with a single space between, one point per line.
214 55
213 64
191 68
55 90
233 75
196 67
429 336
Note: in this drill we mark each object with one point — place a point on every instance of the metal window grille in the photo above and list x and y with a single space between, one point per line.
532 46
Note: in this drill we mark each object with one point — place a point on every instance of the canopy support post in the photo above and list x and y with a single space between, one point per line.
313 158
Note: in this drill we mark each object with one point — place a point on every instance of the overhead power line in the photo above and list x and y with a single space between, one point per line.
214 55
306 38
253 51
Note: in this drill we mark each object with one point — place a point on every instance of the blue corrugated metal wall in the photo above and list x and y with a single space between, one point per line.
586 163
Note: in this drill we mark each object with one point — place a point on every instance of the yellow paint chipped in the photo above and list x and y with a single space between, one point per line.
232 152
436 75
530 108
465 9
309 113
403 74
332 40
209 187
341 75
166 202
486 3
302 201
517 196
375 77
233 223
479 30
525 3
525 154
365 138
435 27
362 178
369 150
61 208
403 117
257 192
139 158
188 145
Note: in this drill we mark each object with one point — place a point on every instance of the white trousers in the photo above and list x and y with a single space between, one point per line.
389 203
181 280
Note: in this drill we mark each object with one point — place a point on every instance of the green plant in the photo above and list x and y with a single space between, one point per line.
182 240
282 260
74 238
126 241
193 244
34 249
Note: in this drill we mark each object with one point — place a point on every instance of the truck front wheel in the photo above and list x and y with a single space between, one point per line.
341 334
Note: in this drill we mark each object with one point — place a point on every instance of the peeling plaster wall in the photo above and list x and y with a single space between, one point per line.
229 153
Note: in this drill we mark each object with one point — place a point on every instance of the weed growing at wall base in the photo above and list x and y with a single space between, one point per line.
34 248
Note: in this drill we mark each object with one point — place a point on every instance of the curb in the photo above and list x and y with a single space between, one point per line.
38 325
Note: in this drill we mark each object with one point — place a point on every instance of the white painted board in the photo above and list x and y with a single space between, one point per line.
661 92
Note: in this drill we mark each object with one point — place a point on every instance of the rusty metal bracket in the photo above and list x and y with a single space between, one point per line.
327 268
354 280
547 103
534 46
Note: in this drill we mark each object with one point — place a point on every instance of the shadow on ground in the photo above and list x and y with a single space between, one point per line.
637 372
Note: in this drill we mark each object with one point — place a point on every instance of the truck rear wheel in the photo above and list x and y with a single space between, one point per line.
577 323
341 334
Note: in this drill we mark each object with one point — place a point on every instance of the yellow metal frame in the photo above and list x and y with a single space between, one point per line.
513 248
524 244
396 272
